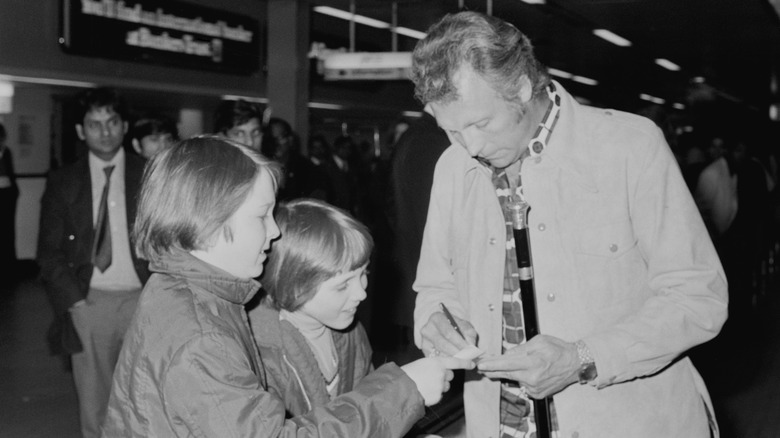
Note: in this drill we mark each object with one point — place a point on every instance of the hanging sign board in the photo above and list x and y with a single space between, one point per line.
367 66
162 32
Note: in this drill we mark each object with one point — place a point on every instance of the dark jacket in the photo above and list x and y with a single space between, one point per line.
189 367
65 240
291 367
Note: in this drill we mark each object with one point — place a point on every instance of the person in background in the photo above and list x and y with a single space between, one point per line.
241 121
9 193
153 134
627 278
190 365
411 176
302 179
89 272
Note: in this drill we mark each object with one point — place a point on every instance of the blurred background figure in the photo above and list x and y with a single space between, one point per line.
153 134
302 179
9 192
411 177
241 121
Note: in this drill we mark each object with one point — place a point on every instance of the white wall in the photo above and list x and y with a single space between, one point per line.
29 138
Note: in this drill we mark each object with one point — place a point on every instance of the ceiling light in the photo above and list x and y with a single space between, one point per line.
669 65
410 32
344 15
412 114
678 106
246 98
329 106
559 73
534 2
584 80
47 81
611 37
653 99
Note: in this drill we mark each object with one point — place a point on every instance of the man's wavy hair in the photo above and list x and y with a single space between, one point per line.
493 48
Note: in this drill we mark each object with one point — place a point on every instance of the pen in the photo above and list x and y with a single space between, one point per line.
451 320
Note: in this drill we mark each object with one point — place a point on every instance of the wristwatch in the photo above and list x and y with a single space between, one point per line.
588 370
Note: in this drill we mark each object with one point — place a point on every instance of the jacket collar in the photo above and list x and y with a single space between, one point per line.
179 263
565 146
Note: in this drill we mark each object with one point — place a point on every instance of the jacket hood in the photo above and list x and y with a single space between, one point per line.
181 264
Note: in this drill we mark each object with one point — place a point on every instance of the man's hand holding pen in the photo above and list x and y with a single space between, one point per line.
440 336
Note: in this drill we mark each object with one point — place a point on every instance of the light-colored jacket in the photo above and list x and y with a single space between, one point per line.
189 368
621 260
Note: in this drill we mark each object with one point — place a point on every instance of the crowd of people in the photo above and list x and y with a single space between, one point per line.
211 285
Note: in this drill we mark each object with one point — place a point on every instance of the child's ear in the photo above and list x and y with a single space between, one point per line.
137 146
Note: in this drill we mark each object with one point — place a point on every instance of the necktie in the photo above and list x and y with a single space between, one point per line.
101 246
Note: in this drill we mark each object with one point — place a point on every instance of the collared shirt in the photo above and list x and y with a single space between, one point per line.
121 275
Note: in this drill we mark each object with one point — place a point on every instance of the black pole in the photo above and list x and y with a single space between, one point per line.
519 212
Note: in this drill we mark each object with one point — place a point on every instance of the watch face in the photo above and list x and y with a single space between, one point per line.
587 372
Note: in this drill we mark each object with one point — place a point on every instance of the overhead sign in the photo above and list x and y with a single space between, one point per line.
367 66
161 32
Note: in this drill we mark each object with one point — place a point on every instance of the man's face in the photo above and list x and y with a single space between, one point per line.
249 134
483 123
103 131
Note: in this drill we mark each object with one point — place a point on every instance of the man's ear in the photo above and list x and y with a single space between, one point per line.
526 89
137 146
125 128
80 131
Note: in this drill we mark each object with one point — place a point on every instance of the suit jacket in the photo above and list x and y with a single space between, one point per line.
66 235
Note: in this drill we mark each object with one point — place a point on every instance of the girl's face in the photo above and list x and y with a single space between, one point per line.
336 300
253 227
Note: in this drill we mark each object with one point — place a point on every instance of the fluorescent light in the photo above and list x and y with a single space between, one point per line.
330 106
534 2
678 106
584 80
246 98
410 32
412 113
611 37
653 99
344 15
559 73
47 81
669 65
362 19
698 80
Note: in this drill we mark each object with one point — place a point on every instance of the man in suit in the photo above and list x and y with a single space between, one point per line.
88 266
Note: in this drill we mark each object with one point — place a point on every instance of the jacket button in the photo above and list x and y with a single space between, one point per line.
71 237
492 241
538 160
551 297
491 307
613 247
542 227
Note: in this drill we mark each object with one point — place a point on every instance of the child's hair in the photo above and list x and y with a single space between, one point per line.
152 125
318 241
190 190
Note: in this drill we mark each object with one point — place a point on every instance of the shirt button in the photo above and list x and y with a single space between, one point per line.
613 247
551 297
492 241
542 227
491 307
